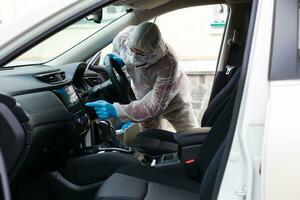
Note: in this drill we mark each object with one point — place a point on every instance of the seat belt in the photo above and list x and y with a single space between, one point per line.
192 169
223 77
233 56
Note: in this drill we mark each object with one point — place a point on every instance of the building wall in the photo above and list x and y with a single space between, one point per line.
200 94
190 32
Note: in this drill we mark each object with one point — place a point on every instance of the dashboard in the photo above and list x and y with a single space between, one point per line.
53 98
69 97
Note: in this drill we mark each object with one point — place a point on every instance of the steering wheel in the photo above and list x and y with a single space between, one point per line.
119 81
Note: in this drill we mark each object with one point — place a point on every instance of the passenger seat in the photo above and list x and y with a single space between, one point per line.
146 182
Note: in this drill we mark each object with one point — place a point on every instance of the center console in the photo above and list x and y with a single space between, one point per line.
84 173
100 161
88 167
108 142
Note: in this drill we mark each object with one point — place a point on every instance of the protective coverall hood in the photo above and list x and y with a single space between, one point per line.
146 38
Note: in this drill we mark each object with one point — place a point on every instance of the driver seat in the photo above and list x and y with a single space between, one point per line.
158 141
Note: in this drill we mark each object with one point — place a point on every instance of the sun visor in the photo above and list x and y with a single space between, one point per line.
143 4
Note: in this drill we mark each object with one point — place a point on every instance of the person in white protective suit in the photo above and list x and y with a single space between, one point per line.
161 89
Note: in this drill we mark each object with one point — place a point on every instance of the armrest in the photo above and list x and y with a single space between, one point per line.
192 136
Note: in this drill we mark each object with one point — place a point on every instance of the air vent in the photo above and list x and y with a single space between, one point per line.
52 77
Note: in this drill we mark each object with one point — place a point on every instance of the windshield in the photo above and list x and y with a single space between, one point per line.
68 37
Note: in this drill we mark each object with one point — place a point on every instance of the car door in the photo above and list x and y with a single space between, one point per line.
280 160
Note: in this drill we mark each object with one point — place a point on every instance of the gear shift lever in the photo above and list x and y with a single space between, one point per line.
106 132
108 135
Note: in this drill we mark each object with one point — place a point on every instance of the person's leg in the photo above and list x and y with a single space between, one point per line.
182 118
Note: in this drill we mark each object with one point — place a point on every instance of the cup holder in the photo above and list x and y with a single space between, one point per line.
164 159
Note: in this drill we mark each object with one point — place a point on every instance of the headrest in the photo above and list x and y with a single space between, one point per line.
15 108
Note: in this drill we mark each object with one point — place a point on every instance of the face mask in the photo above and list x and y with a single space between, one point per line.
136 59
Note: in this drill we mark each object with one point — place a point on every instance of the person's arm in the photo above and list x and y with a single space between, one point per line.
154 102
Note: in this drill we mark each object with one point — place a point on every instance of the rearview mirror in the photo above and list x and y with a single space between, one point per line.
95 17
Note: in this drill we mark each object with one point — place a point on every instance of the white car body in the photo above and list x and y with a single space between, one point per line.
264 159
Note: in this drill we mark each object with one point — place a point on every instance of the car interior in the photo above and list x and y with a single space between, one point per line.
54 147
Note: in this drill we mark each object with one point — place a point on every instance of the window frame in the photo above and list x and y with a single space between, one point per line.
284 59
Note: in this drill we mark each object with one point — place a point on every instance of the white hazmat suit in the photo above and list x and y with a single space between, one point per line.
162 90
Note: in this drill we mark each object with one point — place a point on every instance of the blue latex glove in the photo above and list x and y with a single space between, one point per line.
103 109
126 126
117 59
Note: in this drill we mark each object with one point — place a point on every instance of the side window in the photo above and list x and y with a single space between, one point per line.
68 37
195 34
105 51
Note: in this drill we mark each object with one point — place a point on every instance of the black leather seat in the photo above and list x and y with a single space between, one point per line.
157 141
15 134
131 183
144 182
138 182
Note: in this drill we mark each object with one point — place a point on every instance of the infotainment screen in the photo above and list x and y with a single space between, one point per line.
70 98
